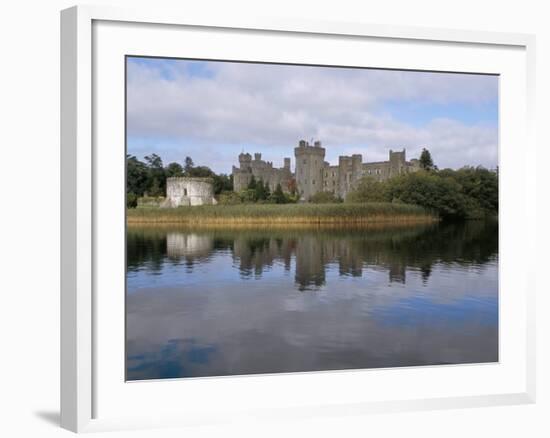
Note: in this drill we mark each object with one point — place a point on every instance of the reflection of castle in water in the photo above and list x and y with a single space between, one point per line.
184 245
257 253
313 254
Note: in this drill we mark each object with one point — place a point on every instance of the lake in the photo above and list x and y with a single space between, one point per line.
213 302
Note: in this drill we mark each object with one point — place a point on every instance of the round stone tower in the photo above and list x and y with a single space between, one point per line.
309 168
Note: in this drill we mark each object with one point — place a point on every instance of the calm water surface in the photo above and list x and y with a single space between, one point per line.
235 301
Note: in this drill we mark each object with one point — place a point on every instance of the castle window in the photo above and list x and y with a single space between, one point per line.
184 192
313 182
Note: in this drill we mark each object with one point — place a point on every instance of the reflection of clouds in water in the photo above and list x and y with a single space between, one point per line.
373 307
273 328
176 358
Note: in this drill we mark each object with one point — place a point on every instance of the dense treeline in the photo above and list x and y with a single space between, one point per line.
148 178
466 193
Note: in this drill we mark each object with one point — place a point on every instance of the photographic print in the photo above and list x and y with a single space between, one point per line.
297 218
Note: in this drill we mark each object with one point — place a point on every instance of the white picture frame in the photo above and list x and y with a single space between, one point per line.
83 369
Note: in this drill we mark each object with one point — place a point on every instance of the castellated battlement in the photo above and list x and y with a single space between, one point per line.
261 171
304 148
313 174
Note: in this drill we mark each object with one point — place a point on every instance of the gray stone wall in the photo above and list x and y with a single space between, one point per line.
262 171
182 191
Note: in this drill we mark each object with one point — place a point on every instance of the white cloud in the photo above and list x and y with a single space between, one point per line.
274 106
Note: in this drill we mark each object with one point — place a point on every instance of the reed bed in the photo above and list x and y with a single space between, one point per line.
284 215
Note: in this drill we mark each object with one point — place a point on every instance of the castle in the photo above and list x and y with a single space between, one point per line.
314 174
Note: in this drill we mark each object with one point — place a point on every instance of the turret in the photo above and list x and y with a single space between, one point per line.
287 164
397 162
309 168
356 167
244 160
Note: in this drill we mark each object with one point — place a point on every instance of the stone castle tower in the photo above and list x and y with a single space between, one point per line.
310 161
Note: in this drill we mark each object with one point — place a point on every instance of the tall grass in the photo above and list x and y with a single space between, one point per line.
374 212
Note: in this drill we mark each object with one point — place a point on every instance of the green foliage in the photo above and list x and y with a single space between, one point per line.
149 177
278 196
479 184
150 201
188 165
430 191
222 183
426 161
157 175
248 195
200 172
131 200
137 176
324 198
466 193
262 191
252 183
369 190
229 198
174 170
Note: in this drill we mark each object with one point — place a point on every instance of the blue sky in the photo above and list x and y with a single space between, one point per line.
212 111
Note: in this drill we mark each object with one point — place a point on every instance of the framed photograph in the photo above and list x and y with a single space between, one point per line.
266 218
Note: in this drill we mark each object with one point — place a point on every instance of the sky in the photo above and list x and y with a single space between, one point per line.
213 110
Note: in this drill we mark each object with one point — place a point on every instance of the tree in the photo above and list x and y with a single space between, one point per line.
153 161
369 190
188 165
137 176
157 184
278 197
429 190
222 183
267 190
173 170
248 195
131 200
201 172
261 194
426 161
481 186
252 183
